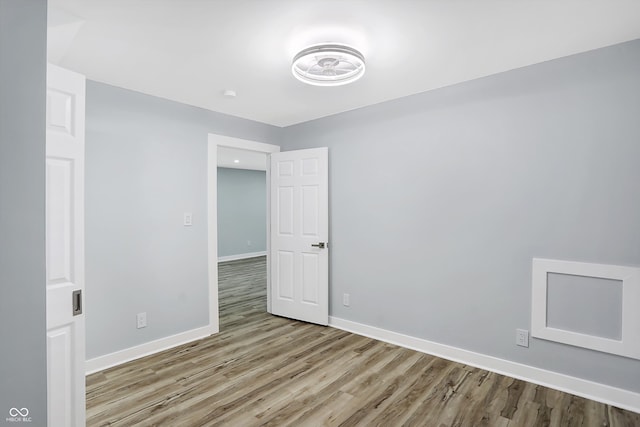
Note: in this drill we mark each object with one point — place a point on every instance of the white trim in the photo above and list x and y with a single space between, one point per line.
212 232
628 345
609 395
241 256
113 359
213 142
243 144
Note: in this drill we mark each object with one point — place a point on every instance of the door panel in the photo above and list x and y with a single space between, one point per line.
310 207
285 211
65 247
284 270
300 219
59 241
310 273
61 111
59 364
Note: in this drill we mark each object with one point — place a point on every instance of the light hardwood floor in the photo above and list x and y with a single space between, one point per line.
271 371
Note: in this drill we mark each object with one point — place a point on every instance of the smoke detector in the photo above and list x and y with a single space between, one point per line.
328 65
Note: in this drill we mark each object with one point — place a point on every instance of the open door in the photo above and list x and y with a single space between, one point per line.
299 252
65 248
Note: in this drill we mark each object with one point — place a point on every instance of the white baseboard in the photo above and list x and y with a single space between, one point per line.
109 360
241 256
620 398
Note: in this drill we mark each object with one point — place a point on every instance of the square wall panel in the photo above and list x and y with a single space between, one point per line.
594 306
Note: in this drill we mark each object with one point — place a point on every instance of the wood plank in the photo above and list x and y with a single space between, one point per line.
263 370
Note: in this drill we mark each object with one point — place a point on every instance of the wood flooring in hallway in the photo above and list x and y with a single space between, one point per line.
263 370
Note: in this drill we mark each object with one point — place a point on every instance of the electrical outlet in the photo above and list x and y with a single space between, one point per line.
345 300
141 319
248 242
522 337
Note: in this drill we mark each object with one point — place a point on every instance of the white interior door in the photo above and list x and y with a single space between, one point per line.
299 235
65 248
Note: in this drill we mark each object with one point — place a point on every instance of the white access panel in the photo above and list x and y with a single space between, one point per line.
628 342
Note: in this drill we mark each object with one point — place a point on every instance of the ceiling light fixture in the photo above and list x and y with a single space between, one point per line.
328 65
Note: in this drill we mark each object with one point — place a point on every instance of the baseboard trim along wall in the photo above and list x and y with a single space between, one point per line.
588 389
113 359
241 256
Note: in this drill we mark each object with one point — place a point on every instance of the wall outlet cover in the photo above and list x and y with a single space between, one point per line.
141 320
522 337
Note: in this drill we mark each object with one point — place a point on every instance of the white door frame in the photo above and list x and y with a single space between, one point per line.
215 141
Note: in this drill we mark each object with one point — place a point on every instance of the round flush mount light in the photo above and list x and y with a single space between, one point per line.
328 65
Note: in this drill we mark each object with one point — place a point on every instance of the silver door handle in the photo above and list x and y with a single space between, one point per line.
318 245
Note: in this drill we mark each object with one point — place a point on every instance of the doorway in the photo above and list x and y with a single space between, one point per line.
214 143
242 235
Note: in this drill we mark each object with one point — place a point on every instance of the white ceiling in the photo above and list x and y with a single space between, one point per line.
192 50
236 158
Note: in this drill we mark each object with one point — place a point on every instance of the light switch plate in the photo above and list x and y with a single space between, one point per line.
346 300
188 219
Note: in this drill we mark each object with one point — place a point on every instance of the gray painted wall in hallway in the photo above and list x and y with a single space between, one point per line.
439 201
23 381
146 165
242 211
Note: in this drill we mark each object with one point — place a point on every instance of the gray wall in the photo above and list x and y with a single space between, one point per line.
587 305
439 201
242 211
146 165
22 186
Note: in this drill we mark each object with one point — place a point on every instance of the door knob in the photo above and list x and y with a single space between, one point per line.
318 245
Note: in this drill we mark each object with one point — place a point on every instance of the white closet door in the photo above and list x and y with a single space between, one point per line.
65 248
